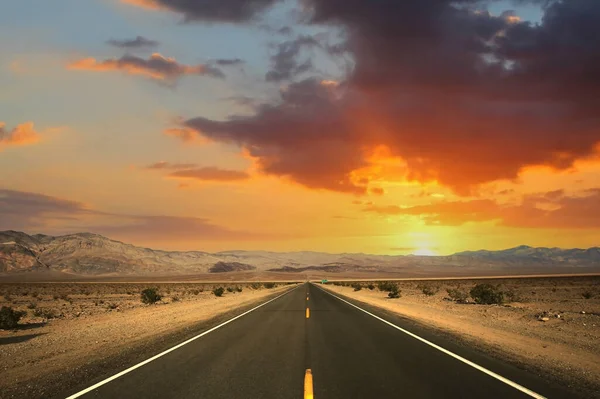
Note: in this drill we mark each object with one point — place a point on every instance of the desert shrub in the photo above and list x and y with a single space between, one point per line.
45 313
357 287
56 297
9 318
112 306
150 296
230 289
428 289
512 296
239 289
487 294
218 291
386 286
371 286
269 285
66 298
35 295
175 299
256 286
587 295
31 305
196 291
8 297
394 291
457 295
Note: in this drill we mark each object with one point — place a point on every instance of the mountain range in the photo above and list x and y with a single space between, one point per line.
92 255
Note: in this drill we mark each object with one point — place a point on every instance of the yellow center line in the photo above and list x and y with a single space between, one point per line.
307 313
308 385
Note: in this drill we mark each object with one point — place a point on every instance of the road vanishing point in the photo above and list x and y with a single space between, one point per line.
309 343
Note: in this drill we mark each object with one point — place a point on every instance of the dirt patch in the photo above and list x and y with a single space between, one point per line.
549 325
79 331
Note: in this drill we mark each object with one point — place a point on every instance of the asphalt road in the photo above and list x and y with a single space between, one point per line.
351 354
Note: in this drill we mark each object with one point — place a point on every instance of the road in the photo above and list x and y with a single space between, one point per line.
350 354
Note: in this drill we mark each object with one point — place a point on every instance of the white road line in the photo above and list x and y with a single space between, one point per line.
130 369
447 352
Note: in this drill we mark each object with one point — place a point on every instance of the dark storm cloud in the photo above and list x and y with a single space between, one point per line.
285 64
462 96
138 42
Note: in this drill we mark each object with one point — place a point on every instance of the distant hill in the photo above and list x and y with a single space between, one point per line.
86 254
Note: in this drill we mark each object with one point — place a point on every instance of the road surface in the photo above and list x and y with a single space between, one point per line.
332 350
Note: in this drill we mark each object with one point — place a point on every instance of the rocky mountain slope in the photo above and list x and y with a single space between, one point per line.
92 254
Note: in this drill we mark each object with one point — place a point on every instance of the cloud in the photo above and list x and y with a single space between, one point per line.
462 97
210 174
155 67
184 134
167 165
229 61
209 10
285 64
551 210
35 213
138 42
23 134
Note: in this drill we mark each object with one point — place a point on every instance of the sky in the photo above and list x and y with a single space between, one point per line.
390 127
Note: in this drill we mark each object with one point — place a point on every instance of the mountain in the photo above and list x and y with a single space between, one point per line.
86 254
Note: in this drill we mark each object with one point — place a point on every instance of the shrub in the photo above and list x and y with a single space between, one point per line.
31 305
35 295
45 313
487 294
357 287
256 286
429 290
8 297
55 297
587 295
218 291
512 296
386 286
238 289
175 299
230 289
457 295
150 296
394 292
269 285
371 286
112 306
9 318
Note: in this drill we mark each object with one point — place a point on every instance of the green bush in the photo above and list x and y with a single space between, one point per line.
371 286
427 289
256 286
357 286
394 292
269 285
239 289
386 286
150 296
457 295
487 294
9 318
44 313
230 289
218 291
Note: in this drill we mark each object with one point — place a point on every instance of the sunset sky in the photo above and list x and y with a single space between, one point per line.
380 126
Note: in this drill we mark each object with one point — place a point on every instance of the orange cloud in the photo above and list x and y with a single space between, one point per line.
551 210
184 134
210 174
23 134
155 67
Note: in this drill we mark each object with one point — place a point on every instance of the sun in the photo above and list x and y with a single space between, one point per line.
425 252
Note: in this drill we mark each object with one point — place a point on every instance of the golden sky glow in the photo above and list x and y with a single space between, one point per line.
164 124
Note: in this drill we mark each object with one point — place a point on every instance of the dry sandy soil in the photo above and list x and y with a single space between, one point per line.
74 332
548 327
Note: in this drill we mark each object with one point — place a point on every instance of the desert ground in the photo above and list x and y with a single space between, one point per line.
548 325
74 331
